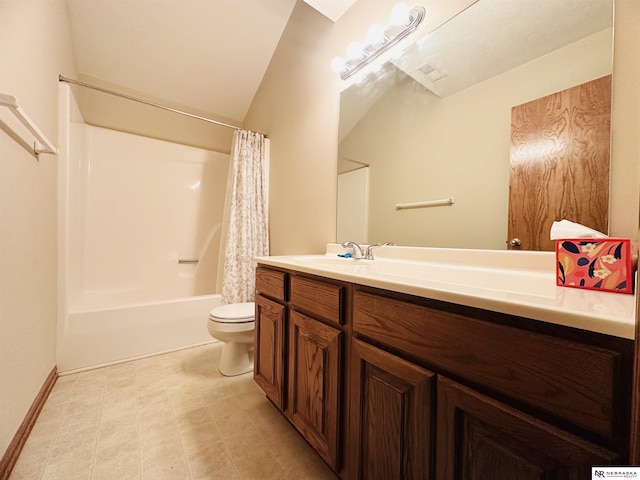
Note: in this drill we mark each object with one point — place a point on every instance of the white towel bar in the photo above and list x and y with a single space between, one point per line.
43 145
428 203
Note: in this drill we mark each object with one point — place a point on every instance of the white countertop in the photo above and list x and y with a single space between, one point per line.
516 283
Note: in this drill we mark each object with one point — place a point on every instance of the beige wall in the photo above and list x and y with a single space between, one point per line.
35 46
625 135
295 106
298 103
109 111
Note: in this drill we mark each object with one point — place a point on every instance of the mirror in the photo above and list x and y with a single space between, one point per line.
434 125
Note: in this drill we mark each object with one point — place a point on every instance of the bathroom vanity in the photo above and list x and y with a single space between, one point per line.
408 367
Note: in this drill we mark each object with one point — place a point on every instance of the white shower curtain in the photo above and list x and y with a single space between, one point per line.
245 231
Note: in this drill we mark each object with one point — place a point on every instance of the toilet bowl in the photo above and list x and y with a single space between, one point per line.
234 325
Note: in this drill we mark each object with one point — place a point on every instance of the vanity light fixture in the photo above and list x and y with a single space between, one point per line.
379 39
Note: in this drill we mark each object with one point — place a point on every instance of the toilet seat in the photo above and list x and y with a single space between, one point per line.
233 313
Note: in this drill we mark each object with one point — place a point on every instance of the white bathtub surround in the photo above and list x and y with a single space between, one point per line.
139 234
513 282
149 206
245 223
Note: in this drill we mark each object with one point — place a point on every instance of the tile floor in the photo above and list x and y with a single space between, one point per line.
171 416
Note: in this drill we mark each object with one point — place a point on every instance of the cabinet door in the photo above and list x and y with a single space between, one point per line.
391 417
268 370
315 352
480 438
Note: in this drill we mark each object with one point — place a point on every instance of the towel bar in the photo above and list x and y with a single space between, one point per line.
43 145
428 203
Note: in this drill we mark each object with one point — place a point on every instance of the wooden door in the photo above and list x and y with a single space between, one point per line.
479 438
315 351
559 163
391 427
268 369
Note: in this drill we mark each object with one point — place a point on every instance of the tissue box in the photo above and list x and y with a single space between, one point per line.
595 263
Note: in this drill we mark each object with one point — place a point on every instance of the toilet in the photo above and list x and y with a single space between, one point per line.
234 325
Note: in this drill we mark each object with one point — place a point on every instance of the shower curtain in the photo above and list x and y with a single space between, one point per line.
245 222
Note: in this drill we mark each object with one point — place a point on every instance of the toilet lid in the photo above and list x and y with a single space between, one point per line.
234 313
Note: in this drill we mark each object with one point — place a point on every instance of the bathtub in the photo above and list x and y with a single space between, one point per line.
136 270
96 335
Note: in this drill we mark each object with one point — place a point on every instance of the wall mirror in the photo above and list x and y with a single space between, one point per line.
435 123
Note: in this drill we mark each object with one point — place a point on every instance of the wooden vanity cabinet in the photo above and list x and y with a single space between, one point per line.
481 438
400 429
505 401
317 340
315 357
301 335
392 422
270 325
389 386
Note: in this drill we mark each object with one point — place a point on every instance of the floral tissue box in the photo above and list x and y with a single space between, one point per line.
595 263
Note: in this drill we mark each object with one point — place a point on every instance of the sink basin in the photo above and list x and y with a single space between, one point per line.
435 274
329 261
499 279
507 280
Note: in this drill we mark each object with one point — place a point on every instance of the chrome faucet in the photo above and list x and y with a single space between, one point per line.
369 252
366 253
357 249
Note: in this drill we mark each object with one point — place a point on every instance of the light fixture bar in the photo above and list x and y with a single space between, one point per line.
392 35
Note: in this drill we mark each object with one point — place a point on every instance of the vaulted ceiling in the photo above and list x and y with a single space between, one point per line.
209 55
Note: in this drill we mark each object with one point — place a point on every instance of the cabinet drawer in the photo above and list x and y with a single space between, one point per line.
570 380
320 298
271 283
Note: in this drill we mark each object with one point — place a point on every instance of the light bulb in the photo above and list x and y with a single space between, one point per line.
375 34
400 14
354 50
337 64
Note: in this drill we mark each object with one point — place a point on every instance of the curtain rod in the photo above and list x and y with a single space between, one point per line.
342 157
146 102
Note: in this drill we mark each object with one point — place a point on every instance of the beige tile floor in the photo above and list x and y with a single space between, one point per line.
171 416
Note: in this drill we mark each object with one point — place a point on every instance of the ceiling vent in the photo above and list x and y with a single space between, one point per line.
432 73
